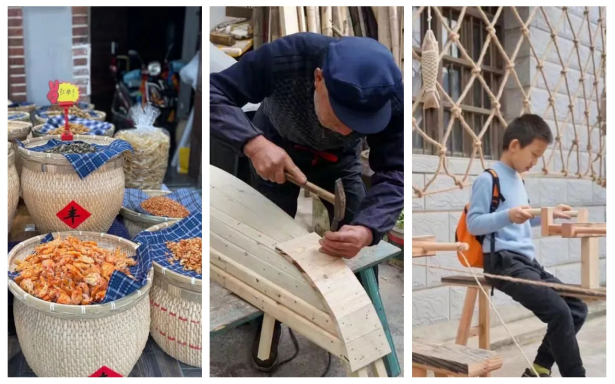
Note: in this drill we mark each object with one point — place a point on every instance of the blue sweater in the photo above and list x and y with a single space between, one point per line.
508 235
281 76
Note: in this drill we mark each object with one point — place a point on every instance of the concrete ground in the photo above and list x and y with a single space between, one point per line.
592 343
230 353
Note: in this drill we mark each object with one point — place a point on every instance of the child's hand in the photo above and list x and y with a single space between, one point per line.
518 215
560 211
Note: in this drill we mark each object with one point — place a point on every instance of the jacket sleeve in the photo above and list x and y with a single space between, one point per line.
384 201
479 220
247 81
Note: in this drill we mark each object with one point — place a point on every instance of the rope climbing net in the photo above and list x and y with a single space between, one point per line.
590 92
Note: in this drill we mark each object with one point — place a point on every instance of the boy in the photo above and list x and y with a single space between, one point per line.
525 141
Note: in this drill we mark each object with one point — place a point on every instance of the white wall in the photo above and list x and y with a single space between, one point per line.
48 43
438 214
217 16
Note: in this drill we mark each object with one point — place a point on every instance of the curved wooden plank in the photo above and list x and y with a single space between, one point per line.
357 320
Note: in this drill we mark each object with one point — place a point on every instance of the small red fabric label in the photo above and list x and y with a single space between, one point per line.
73 215
106 372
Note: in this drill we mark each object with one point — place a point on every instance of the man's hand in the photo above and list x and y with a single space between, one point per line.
271 161
347 242
560 211
518 215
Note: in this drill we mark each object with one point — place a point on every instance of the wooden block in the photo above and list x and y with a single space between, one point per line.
418 243
546 220
222 38
484 339
590 262
575 230
454 359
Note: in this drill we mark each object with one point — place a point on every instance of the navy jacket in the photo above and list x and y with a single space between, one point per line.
281 76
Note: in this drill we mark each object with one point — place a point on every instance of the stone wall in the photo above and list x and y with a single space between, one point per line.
438 214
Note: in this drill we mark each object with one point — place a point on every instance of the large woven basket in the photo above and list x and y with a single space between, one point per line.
176 305
76 340
42 120
137 222
50 183
18 130
19 116
13 186
36 131
23 108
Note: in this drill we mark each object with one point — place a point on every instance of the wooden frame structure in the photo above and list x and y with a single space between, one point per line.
448 360
589 234
263 256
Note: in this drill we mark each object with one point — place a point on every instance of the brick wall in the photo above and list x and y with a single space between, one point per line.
81 53
17 65
438 214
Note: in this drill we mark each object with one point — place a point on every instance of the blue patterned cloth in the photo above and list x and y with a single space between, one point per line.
95 127
189 198
153 244
86 163
120 285
21 104
18 115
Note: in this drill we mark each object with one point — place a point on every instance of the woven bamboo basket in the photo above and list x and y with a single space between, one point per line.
23 108
137 222
18 130
36 131
50 183
101 116
76 340
176 307
19 116
13 186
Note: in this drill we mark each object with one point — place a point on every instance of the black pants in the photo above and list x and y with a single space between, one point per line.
564 315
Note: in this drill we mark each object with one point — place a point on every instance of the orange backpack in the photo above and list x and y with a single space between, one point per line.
475 253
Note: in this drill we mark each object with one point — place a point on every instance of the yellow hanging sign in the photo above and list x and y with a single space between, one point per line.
68 93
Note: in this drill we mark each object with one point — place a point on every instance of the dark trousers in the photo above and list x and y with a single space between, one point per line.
564 316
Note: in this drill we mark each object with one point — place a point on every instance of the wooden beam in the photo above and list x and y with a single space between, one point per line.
264 345
454 359
590 262
571 230
464 331
379 369
425 246
301 325
418 243
257 22
326 21
394 25
468 281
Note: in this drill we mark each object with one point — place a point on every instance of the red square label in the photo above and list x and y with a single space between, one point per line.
106 372
73 215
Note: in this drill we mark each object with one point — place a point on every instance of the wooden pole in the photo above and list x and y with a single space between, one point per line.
318 25
336 15
257 22
349 31
311 19
326 21
384 31
394 24
301 16
590 262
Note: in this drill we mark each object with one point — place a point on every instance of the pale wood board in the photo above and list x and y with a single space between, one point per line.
289 22
454 358
298 323
346 299
266 287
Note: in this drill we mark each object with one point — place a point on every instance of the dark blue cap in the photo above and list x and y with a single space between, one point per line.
361 77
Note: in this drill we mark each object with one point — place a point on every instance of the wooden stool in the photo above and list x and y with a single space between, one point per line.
451 360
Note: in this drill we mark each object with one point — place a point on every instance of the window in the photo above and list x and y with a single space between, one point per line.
454 75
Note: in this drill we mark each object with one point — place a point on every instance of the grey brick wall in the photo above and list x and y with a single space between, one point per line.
438 214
